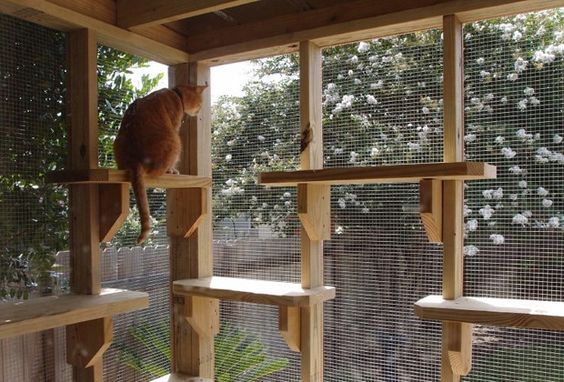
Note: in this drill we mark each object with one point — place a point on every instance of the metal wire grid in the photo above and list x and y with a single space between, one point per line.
382 101
380 107
256 230
514 239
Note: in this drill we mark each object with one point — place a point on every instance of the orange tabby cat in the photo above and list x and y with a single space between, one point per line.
148 142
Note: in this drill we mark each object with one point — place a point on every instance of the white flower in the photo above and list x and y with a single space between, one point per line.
487 194
543 57
522 105
522 133
497 239
338 151
480 61
413 146
350 73
467 211
556 138
471 250
522 184
230 182
515 170
529 91
371 100
470 137
484 73
489 96
287 195
554 222
472 225
541 191
534 101
527 213
546 203
354 59
519 219
425 110
354 155
228 157
363 47
503 99
499 139
288 203
374 152
508 153
517 36
512 76
486 212
339 230
520 65
377 85
342 203
231 142
497 194
357 81
365 210
513 196
261 138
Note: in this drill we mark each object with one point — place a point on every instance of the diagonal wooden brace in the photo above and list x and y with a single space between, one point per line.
196 313
184 219
314 210
114 207
289 326
431 208
87 341
457 346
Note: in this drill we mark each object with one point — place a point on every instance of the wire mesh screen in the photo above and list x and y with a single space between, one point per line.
256 230
514 240
382 105
33 215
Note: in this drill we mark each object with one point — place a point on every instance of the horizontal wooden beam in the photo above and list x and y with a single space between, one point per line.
493 311
255 291
22 317
109 176
344 23
162 45
142 13
412 173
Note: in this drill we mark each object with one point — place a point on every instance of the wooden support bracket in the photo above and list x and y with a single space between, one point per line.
185 219
114 207
289 326
314 210
87 341
194 306
458 346
431 208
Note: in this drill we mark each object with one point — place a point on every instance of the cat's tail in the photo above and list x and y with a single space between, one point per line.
138 184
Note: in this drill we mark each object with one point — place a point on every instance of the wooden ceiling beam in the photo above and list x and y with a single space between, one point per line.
156 43
143 13
344 23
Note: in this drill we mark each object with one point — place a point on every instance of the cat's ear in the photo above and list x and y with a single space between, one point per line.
201 88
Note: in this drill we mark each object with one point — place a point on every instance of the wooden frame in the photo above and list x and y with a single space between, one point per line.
195 317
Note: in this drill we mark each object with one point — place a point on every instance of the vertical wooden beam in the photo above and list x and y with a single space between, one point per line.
457 345
311 340
191 256
84 199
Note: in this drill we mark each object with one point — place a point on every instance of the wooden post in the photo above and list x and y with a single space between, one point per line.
191 255
84 202
457 343
311 341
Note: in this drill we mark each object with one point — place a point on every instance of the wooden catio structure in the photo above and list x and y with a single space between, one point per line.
192 36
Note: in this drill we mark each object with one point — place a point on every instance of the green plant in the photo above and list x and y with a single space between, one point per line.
239 356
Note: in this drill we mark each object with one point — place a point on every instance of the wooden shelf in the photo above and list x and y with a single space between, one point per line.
22 317
255 291
180 378
106 175
493 311
381 174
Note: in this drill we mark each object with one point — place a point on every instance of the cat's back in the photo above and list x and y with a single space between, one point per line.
161 107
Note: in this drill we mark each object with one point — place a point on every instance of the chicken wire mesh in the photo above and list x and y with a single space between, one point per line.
514 241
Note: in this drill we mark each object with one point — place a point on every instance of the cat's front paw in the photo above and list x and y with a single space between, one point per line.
173 171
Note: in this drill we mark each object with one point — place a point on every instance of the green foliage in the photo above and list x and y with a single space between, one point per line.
239 356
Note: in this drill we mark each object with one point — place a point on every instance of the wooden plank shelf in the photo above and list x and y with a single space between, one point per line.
412 173
493 311
180 378
255 291
107 175
28 316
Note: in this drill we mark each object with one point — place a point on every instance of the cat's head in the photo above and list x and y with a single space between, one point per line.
191 98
